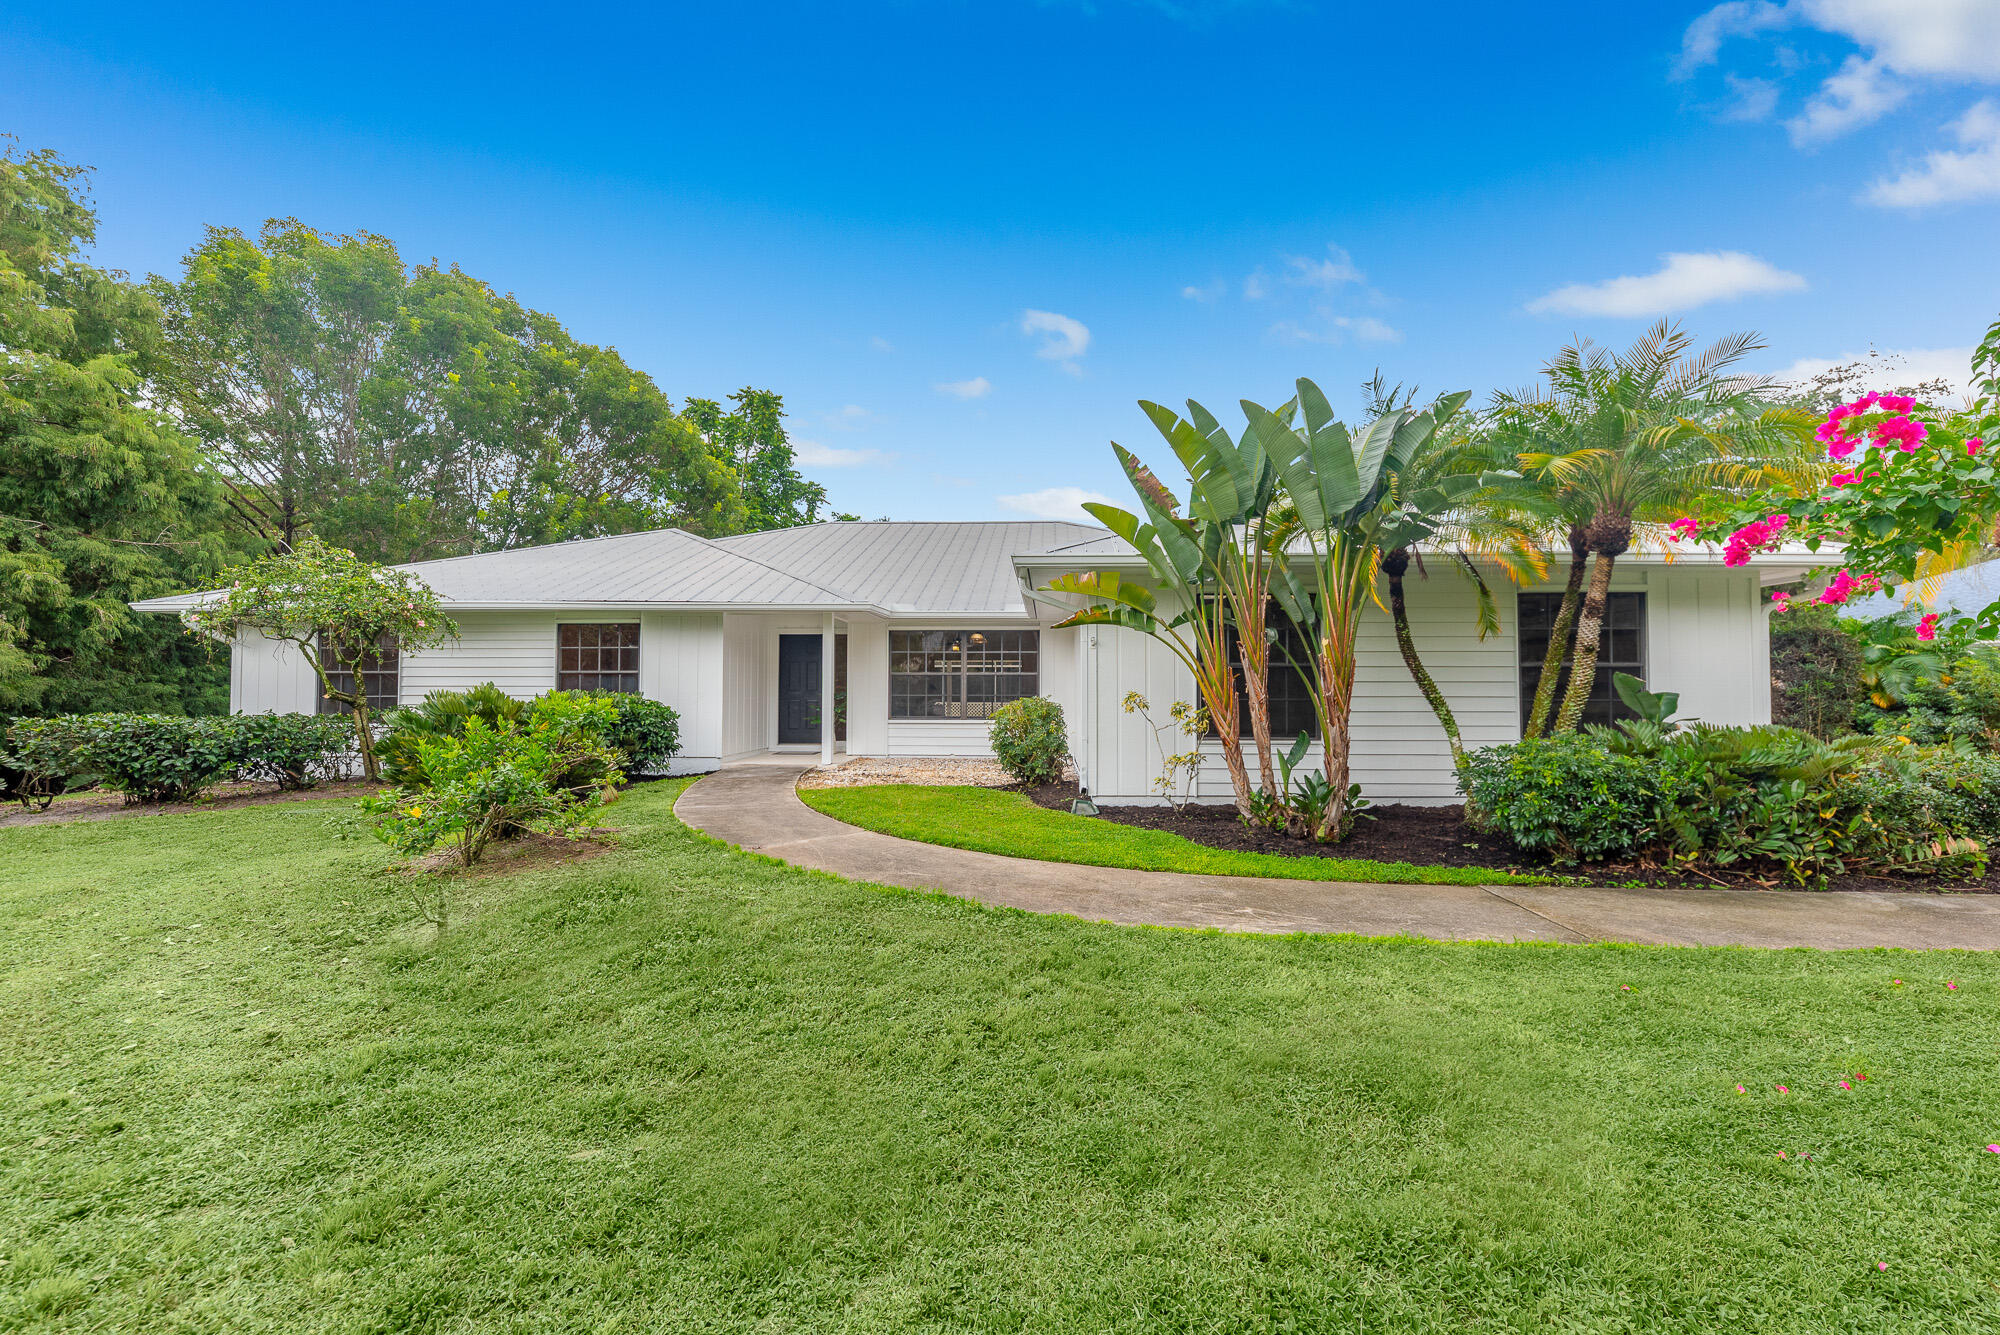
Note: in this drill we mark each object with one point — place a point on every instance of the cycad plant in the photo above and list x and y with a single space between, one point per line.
1628 441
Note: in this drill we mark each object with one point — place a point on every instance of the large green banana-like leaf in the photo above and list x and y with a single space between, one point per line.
1371 449
1319 413
1214 496
1293 598
1105 586
1129 618
1292 455
1141 536
1176 535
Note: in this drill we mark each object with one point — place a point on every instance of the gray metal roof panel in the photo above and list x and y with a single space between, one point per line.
955 568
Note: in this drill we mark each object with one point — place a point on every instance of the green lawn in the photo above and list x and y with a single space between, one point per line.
682 1089
1008 823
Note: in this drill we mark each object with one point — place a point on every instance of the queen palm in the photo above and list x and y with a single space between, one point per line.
1629 441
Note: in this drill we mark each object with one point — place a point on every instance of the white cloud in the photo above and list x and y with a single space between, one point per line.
1702 43
1336 270
1683 282
881 344
1054 503
976 388
1211 292
1859 93
1948 175
1891 368
851 417
1064 339
1256 286
812 454
1750 99
1337 329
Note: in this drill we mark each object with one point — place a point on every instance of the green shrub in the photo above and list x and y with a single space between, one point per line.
483 783
294 751
39 760
441 714
1564 798
1029 740
646 733
151 757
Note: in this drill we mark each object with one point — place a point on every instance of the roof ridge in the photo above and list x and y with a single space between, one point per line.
843 594
566 542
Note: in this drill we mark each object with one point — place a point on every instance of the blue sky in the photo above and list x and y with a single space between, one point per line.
962 239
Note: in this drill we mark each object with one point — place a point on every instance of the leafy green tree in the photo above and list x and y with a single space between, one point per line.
336 608
101 501
1640 438
409 414
752 438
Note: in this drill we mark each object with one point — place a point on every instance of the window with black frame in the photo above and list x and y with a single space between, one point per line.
1288 678
381 677
961 674
598 657
1621 648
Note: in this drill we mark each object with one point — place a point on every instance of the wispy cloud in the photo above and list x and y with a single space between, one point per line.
1054 503
1859 93
976 388
881 344
1891 368
1682 282
1336 269
1207 293
1749 99
1256 285
1063 340
812 454
1331 328
1947 176
850 417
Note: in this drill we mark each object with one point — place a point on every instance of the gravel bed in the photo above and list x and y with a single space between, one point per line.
863 771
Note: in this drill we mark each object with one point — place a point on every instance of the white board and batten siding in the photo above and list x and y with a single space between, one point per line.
1707 637
681 663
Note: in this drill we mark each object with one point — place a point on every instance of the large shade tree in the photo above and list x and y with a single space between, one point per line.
1630 441
408 413
101 500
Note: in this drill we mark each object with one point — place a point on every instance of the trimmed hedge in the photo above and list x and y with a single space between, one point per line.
163 758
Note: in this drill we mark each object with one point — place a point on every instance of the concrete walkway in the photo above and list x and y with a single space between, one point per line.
755 807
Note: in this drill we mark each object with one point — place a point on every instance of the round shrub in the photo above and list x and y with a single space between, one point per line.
1564 797
1029 740
647 733
40 760
151 757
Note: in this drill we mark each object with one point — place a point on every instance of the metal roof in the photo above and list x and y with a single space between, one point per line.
889 568
916 567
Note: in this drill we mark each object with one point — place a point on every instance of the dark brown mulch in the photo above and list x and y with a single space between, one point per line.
1439 837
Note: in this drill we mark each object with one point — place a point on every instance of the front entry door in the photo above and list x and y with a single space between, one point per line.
798 689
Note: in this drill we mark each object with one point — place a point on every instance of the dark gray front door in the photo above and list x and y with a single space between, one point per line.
798 689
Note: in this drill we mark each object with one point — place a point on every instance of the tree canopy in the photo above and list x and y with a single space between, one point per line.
102 501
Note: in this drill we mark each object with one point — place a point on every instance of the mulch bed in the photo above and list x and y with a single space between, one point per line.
1438 837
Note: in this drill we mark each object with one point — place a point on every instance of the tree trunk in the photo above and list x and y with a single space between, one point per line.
1256 665
364 738
1337 686
1589 630
1561 636
1395 564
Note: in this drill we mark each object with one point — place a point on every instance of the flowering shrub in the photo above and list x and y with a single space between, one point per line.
1915 485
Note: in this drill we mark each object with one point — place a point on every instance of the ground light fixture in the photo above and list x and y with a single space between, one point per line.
1083 806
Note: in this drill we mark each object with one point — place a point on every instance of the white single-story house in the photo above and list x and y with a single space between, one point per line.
917 631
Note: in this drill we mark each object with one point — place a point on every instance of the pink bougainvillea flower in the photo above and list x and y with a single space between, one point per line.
1895 982
1741 1090
1993 1149
1881 1265
1780 601
1951 987
1927 628
1845 1085
1974 445
1683 528
1783 1090
1843 479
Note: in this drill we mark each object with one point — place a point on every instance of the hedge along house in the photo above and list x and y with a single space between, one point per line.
916 632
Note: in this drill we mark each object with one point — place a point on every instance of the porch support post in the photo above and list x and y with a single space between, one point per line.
826 643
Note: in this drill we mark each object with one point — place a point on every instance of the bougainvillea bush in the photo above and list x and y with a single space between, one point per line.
1911 491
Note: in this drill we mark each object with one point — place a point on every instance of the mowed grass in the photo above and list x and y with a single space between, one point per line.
680 1088
989 821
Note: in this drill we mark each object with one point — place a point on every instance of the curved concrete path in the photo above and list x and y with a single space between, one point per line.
755 807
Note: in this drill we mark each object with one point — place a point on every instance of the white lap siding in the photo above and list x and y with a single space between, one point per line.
516 651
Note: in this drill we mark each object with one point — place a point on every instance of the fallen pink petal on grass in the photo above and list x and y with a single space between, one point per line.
1783 1090
1881 1265
1993 1149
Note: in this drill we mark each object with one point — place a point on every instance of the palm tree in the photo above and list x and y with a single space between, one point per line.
1632 440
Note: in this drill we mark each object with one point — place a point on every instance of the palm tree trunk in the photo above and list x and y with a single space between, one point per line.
1561 636
1257 691
1395 564
1589 631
